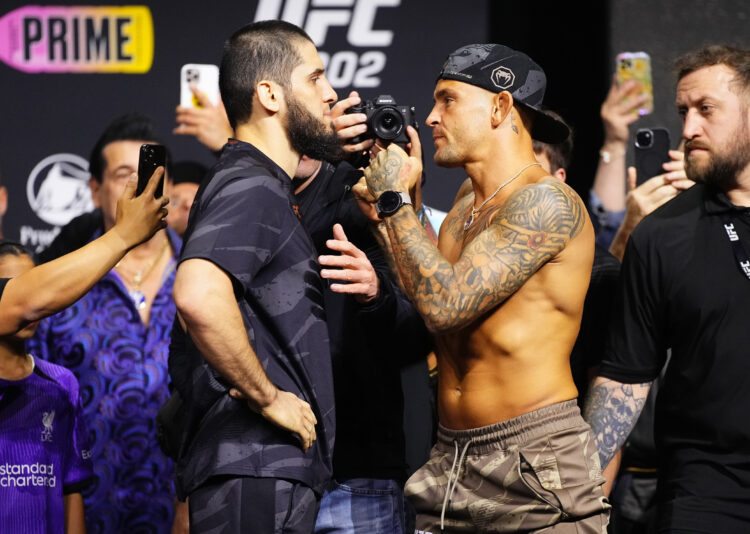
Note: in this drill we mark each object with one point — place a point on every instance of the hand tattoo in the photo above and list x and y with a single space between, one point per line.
385 171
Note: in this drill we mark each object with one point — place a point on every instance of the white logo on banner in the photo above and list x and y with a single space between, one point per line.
58 188
344 68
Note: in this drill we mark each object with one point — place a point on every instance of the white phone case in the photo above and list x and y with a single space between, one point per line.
204 77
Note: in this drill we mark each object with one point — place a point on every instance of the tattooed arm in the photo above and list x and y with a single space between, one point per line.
531 228
612 409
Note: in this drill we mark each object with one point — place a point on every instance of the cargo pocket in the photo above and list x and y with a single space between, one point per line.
538 471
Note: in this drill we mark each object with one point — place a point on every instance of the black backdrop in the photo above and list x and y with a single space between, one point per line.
47 114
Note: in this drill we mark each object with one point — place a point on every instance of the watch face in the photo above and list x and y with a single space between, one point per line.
389 202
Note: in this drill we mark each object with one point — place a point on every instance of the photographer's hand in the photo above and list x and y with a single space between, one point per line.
351 266
208 123
645 198
350 125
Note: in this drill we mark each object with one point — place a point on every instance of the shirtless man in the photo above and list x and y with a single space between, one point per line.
504 293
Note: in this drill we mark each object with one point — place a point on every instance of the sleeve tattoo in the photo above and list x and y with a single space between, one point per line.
532 227
612 409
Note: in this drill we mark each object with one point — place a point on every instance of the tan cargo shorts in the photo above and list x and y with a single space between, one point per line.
536 472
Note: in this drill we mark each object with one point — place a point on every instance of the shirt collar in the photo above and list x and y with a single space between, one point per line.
261 159
717 203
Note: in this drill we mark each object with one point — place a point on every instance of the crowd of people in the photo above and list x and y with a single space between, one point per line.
232 358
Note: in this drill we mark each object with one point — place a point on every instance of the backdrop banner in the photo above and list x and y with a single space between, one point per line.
67 70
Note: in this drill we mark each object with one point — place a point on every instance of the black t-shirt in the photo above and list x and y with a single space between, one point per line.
245 220
683 288
597 312
370 345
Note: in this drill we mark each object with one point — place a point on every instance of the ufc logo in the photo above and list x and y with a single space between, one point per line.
731 232
358 15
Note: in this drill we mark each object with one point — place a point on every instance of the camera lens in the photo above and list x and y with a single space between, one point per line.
644 138
387 123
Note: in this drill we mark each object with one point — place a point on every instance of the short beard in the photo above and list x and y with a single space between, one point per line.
723 169
310 136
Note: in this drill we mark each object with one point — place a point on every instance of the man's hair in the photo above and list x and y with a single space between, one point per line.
11 248
259 51
737 59
558 154
129 127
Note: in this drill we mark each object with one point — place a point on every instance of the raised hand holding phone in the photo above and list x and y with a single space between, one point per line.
151 158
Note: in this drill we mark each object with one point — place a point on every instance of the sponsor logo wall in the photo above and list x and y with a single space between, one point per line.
67 70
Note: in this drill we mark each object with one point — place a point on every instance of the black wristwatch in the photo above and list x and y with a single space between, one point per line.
389 202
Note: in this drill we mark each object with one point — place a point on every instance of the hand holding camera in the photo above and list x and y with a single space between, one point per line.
363 124
385 120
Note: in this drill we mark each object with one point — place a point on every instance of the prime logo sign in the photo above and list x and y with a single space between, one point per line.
78 39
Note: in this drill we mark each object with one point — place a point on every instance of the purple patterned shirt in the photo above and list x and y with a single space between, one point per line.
121 365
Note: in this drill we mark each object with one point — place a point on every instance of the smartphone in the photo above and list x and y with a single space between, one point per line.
205 78
637 66
651 151
151 157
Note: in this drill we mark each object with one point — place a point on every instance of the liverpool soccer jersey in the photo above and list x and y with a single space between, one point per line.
43 450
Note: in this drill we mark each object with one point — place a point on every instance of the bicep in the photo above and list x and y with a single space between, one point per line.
199 285
533 227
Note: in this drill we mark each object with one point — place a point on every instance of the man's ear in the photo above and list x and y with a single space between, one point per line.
560 174
502 106
95 186
269 95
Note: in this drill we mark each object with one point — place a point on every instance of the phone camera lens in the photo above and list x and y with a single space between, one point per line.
644 138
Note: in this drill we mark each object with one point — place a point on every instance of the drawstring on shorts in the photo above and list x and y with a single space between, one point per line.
449 489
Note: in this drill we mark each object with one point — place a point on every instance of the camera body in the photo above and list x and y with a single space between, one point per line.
385 119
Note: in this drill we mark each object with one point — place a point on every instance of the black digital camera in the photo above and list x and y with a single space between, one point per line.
385 120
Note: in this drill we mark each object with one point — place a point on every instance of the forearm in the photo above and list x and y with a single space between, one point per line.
426 276
48 288
206 303
381 236
74 516
609 180
617 248
612 409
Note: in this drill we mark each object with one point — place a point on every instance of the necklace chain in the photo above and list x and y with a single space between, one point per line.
139 298
474 210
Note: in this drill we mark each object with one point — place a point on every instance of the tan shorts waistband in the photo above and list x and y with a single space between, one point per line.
526 427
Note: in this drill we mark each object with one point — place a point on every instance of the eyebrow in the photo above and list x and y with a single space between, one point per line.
317 72
443 92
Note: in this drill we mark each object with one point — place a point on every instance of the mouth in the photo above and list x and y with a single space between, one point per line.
694 148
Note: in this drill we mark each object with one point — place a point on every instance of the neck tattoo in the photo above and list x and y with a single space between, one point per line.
474 210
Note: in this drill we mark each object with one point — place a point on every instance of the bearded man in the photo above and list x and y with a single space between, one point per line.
686 286
254 368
